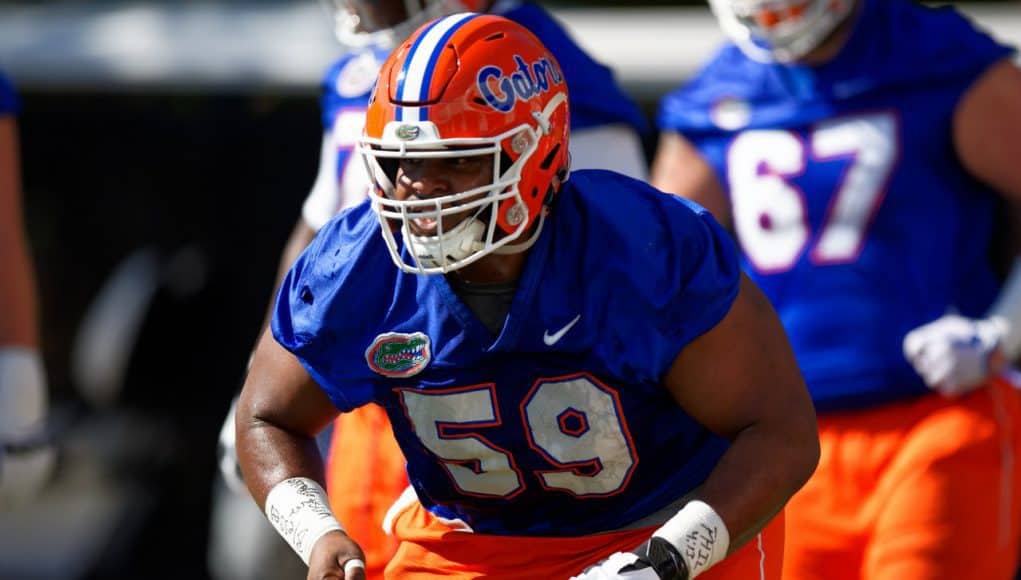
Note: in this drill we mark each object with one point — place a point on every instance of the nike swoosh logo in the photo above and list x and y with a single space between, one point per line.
551 339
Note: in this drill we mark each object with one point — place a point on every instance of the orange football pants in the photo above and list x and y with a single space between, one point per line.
368 476
373 477
917 490
430 550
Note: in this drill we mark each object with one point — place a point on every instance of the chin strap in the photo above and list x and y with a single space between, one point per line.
521 247
438 252
558 180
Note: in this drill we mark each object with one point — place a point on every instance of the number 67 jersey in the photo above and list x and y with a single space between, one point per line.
559 425
852 210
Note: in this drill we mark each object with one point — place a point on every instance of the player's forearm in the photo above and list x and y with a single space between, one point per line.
283 471
758 401
269 454
758 474
279 413
765 465
17 292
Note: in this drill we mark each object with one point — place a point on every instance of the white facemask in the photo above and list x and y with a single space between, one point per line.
779 30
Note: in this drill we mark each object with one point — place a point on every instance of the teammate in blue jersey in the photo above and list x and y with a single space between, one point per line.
608 129
26 458
574 368
858 150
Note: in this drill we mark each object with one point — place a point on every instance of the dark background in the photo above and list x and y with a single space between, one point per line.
221 176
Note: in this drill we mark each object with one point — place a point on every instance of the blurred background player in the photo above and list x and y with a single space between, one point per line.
549 350
26 458
607 132
859 149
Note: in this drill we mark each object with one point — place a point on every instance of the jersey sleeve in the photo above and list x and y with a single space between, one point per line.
687 109
700 279
671 271
313 316
9 104
678 113
298 323
929 47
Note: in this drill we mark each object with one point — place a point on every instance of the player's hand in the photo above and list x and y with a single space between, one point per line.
656 559
336 556
955 355
227 453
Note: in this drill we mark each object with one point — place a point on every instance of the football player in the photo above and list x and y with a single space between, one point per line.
575 368
858 149
26 457
607 132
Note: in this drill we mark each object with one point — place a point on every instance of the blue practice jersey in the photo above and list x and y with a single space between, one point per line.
560 424
8 98
854 213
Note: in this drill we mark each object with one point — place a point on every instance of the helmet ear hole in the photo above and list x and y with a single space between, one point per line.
548 160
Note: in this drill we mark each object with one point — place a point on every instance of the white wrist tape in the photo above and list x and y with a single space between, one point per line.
300 512
23 398
699 535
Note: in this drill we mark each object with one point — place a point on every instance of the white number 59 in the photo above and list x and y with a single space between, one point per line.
574 423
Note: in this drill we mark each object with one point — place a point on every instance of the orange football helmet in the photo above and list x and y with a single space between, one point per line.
463 85
385 23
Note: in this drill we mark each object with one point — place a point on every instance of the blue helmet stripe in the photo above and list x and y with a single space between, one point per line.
416 73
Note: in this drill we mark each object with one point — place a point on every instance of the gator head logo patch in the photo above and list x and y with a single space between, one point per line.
395 354
408 132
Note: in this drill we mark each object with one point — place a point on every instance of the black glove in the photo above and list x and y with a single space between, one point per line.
661 556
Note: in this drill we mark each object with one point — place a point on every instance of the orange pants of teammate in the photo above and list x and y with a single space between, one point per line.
922 489
364 482
430 550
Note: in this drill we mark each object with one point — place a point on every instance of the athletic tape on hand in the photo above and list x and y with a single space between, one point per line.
699 534
352 564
